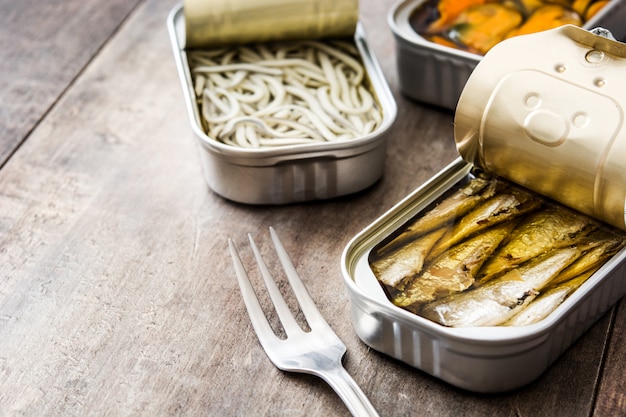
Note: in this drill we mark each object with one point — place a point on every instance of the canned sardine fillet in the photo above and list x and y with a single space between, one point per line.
499 255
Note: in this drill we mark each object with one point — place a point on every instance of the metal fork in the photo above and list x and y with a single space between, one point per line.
319 351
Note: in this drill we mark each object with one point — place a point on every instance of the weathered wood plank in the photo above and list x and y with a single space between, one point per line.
611 399
43 47
117 294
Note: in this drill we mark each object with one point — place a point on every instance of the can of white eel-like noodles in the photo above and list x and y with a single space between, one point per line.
286 99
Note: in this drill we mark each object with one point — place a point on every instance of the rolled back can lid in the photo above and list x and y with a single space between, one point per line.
228 22
546 111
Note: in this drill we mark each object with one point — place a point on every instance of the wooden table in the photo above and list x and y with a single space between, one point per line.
117 293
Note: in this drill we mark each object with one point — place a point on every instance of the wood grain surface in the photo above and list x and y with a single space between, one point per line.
43 47
117 293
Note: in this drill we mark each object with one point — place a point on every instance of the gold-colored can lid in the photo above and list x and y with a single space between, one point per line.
227 22
546 111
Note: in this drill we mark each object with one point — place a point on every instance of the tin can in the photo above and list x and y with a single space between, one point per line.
523 120
295 173
436 74
478 359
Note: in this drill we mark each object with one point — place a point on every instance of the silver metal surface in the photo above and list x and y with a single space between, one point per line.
318 351
292 173
436 74
481 359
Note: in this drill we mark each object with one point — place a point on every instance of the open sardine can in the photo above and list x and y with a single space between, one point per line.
433 68
485 274
286 100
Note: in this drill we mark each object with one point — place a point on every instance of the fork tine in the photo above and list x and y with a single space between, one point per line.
312 314
257 316
284 314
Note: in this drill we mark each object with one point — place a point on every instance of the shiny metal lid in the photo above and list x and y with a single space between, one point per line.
226 22
546 111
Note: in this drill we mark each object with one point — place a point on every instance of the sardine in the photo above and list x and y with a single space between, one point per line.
395 268
543 231
497 301
547 302
599 247
499 208
452 207
454 270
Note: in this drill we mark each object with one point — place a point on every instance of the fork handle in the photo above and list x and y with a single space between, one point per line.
349 391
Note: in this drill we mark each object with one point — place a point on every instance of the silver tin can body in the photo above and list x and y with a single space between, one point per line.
289 174
479 359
